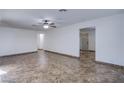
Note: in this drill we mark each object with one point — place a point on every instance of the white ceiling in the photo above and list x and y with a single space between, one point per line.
25 18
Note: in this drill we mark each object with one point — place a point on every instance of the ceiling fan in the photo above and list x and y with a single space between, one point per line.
46 23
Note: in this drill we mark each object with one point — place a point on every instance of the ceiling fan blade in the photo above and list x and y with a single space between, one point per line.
34 25
53 26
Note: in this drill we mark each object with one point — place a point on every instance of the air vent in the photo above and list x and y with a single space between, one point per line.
62 10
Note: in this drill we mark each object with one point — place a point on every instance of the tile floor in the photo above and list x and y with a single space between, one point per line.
46 67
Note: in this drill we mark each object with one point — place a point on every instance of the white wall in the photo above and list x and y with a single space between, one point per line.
14 41
91 39
64 40
109 39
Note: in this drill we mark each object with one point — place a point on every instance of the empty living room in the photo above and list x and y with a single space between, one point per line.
61 46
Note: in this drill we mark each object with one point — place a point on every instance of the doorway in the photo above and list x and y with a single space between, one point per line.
84 41
87 43
40 41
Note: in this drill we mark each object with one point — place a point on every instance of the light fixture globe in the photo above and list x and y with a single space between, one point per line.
45 26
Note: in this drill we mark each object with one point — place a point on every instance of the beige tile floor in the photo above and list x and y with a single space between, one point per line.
46 67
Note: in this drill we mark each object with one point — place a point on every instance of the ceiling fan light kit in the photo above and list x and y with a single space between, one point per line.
45 26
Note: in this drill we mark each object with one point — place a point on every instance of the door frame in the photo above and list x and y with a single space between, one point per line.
92 27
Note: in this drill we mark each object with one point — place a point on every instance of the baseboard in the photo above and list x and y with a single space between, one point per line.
88 50
61 54
19 54
40 49
110 64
